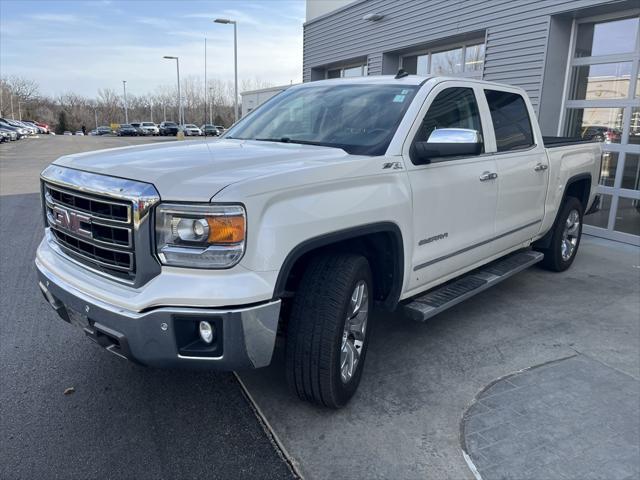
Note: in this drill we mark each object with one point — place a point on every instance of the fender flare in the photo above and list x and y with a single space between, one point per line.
328 239
545 241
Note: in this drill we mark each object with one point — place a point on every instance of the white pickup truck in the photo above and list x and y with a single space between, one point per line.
333 197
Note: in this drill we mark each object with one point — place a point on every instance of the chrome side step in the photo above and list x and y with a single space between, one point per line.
446 296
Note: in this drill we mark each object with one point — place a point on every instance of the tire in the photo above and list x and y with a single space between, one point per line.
317 340
562 251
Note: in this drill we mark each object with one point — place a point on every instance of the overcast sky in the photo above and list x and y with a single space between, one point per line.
81 46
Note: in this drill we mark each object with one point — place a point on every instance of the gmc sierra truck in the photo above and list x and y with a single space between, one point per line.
330 199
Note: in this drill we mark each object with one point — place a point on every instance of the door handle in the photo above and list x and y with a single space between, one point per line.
541 167
488 176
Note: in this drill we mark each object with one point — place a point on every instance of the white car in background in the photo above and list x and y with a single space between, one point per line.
191 130
148 128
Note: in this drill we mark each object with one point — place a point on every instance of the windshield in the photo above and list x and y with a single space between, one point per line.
359 118
148 124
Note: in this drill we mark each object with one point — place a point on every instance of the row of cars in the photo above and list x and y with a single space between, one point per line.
164 128
11 130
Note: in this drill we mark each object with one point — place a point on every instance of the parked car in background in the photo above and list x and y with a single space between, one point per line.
169 128
20 131
221 129
104 130
191 130
126 130
148 128
5 136
209 130
79 133
12 135
67 133
136 125
602 134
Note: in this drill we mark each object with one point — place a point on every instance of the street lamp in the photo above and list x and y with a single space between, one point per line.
180 114
20 110
226 21
126 113
211 105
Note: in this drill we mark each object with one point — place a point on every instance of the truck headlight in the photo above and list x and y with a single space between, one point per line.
200 236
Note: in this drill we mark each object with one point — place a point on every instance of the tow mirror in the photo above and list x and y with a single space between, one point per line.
447 142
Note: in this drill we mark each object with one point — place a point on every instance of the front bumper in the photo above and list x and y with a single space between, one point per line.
245 336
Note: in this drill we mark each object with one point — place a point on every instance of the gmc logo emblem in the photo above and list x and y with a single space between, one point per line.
71 221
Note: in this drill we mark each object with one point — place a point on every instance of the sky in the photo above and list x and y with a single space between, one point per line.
82 46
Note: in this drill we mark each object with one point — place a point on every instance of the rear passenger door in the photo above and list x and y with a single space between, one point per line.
522 168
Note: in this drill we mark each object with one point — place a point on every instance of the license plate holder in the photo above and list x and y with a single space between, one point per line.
78 319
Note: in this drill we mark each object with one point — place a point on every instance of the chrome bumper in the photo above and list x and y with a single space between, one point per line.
167 336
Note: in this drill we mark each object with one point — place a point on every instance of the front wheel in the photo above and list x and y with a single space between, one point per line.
329 328
565 239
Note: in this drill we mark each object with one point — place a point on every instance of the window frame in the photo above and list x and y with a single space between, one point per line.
476 74
534 140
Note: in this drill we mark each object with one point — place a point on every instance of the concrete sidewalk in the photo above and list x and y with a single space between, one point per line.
405 421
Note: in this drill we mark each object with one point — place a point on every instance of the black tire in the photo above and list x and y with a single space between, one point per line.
316 325
553 255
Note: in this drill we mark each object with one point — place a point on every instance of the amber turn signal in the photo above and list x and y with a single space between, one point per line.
226 229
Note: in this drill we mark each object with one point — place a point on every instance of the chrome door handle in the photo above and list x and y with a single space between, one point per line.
541 167
488 176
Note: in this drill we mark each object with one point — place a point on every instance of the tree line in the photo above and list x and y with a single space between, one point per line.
70 111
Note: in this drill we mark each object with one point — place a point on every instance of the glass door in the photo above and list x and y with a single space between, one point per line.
603 103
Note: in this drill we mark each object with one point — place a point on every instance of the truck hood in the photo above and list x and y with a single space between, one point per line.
196 171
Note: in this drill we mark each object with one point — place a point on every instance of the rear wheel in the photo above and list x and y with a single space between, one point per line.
565 239
329 328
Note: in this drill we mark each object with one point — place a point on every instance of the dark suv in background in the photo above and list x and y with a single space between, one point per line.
169 128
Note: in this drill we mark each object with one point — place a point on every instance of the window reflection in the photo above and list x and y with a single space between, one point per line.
597 124
631 172
634 126
450 61
474 57
601 217
600 82
608 169
606 38
628 216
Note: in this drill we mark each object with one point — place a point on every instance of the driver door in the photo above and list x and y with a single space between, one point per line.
454 198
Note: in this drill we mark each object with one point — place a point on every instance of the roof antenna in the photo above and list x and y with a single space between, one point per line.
401 74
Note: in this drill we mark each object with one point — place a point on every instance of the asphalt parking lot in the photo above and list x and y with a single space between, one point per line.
536 378
122 421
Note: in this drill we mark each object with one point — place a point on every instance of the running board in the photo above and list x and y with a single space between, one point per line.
446 296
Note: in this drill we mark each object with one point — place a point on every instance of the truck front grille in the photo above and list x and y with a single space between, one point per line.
94 230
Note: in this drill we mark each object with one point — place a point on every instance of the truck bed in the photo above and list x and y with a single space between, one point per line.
552 142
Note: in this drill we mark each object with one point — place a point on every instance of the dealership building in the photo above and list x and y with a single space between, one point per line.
579 61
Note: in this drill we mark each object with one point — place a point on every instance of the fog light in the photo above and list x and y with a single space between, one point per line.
206 332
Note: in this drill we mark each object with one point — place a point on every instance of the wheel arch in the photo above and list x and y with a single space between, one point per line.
578 186
381 243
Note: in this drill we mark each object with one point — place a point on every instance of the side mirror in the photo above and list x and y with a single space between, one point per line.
447 142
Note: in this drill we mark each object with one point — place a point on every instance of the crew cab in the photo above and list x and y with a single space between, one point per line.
332 198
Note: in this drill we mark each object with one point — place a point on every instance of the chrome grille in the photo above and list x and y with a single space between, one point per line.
100 222
94 230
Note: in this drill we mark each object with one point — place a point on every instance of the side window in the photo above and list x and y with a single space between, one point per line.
452 108
510 120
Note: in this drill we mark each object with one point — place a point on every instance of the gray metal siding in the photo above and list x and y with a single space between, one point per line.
516 33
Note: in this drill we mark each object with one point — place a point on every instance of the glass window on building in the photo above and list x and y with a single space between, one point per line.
601 82
447 62
474 58
348 72
464 60
603 104
598 124
607 38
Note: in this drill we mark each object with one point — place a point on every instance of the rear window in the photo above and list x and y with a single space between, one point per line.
510 120
148 124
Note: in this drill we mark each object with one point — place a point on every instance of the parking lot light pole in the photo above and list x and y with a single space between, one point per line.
126 114
226 21
20 110
211 105
13 117
95 114
180 114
